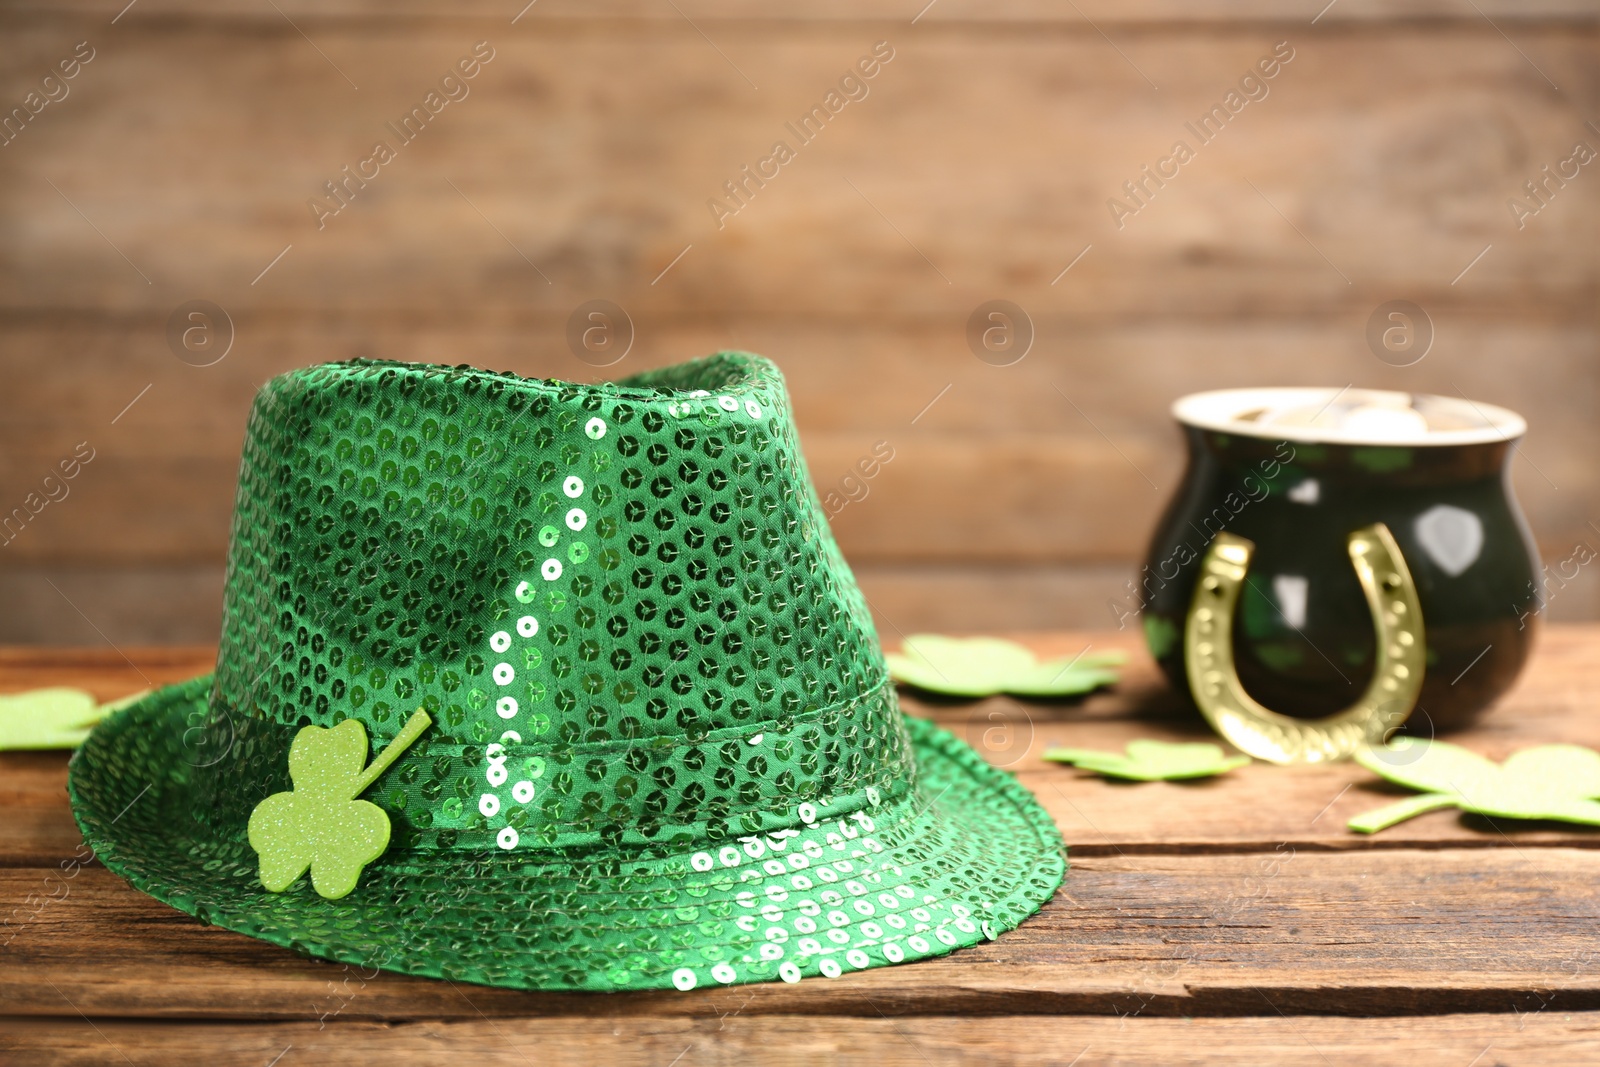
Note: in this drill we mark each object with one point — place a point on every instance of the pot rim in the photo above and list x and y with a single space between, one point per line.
1226 411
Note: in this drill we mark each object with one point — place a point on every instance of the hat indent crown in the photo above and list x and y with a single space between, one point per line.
620 604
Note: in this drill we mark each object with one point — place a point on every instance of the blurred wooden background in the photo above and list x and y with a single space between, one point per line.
978 167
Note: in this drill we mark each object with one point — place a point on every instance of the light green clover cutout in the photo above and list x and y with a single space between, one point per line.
51 718
1544 782
1152 761
319 824
984 666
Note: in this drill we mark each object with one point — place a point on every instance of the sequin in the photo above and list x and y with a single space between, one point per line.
654 756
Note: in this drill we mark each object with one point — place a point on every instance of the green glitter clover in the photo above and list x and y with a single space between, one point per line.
984 666
58 717
319 824
1543 782
1152 761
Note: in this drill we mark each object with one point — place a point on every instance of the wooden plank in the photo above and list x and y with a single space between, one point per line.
1386 932
93 605
843 377
1001 471
1550 1039
999 197
36 826
1133 13
1066 457
1174 889
1256 809
1301 807
108 674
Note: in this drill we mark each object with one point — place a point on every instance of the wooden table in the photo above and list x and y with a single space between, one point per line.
1234 919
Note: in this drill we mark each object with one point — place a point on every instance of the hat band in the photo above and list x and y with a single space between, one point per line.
517 794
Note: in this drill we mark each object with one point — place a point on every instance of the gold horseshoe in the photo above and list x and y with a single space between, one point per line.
1396 679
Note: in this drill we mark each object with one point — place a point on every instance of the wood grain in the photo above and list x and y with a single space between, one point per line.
1303 807
1551 1038
1230 918
1226 915
1381 932
979 166
1392 149
1202 899
1065 458
1106 12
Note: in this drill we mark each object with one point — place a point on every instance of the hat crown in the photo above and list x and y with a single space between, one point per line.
620 604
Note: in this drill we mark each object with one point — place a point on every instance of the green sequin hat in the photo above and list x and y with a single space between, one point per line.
660 746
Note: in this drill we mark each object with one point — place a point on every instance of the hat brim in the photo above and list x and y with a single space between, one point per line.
964 856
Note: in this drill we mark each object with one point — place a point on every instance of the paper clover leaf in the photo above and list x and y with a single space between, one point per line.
1152 761
1544 782
319 824
983 666
51 718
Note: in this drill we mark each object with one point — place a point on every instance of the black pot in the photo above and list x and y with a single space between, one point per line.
1303 634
